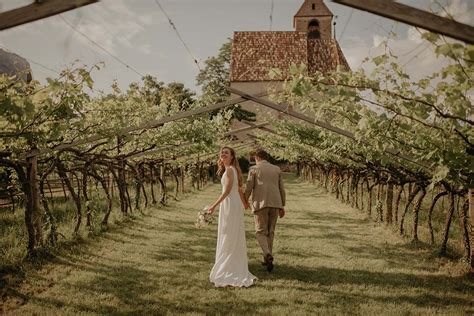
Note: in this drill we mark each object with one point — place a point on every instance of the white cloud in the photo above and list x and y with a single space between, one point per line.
145 49
414 35
414 53
139 34
111 24
377 40
146 19
460 11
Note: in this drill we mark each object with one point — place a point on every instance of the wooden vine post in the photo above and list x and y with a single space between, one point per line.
32 217
471 214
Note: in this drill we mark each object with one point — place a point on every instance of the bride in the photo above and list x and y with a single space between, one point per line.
231 266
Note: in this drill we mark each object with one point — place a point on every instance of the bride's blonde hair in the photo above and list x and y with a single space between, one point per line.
233 162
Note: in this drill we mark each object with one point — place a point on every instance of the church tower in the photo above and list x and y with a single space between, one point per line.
314 18
255 54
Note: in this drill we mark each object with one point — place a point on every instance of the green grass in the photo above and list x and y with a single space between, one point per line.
455 247
13 234
329 259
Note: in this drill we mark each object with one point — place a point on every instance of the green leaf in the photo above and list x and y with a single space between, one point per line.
275 73
440 173
380 59
431 37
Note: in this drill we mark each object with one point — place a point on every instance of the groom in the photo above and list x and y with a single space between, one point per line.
265 185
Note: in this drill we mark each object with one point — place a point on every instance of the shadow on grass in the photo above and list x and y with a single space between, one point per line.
332 277
12 276
160 284
126 284
141 291
137 290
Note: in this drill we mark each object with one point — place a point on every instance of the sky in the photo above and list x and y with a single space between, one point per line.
139 35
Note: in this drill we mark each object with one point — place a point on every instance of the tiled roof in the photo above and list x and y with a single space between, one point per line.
325 56
254 54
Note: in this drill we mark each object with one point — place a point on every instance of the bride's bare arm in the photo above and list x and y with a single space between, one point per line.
227 188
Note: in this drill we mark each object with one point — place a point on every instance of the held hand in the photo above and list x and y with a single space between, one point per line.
281 213
211 210
246 205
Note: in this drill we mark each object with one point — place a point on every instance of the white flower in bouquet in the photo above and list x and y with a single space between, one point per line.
204 218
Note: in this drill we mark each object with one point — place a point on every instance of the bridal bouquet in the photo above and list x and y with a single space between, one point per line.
204 218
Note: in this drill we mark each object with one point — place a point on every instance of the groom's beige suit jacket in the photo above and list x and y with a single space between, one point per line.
265 184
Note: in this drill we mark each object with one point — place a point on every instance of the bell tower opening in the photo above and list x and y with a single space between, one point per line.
313 30
314 18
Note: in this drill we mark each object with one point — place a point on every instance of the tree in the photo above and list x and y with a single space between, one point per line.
176 95
214 79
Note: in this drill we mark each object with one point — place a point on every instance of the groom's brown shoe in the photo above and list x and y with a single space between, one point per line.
269 262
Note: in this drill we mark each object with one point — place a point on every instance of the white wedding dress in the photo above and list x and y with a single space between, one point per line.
231 267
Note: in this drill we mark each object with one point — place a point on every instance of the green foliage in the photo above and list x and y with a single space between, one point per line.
429 120
32 115
214 79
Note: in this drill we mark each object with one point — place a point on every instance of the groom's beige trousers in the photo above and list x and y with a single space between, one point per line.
265 222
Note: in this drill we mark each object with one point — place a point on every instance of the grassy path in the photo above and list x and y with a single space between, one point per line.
328 259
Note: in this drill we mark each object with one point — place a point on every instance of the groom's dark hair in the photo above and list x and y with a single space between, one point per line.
262 154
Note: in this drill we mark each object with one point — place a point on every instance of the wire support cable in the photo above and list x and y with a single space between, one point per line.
179 35
101 47
271 15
